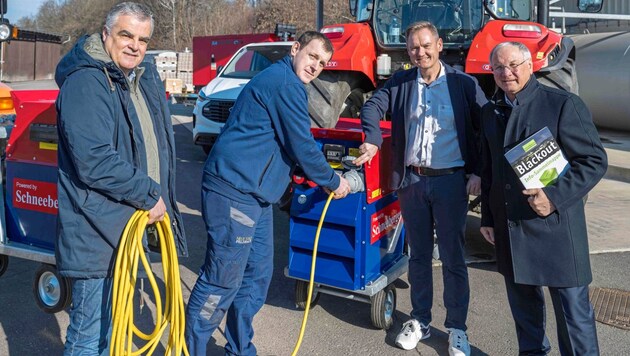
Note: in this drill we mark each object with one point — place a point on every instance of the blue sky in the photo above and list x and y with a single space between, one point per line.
17 9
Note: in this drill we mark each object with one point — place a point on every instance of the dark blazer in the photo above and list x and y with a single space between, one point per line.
553 250
394 97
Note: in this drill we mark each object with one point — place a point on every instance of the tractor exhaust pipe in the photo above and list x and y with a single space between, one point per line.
319 15
542 13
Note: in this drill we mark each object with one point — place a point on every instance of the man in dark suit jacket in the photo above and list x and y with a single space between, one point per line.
540 234
435 112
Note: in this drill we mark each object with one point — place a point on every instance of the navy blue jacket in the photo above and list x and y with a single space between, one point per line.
267 133
102 161
552 250
467 99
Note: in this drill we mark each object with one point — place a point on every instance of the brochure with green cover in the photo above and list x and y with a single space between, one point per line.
538 160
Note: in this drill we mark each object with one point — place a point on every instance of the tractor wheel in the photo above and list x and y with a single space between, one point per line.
383 307
353 104
4 263
565 78
301 295
52 291
333 94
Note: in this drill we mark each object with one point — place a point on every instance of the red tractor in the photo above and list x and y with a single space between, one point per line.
368 51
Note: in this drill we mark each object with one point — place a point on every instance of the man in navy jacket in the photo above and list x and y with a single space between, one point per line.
540 234
248 169
435 112
116 155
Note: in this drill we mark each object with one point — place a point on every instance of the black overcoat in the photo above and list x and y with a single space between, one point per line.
553 250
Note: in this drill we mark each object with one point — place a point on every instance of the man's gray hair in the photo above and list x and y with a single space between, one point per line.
521 48
139 11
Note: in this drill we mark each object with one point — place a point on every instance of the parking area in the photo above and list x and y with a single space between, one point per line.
337 326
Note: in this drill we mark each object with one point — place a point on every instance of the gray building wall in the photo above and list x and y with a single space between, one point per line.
592 24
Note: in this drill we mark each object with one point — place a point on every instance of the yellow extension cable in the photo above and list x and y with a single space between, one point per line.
312 277
130 251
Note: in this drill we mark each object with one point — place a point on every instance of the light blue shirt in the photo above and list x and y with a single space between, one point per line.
432 133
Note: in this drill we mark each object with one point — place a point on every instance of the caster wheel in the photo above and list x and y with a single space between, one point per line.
383 307
52 291
301 295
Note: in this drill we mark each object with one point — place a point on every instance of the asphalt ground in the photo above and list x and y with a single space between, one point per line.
337 326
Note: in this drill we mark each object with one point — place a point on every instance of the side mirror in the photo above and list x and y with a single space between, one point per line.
352 5
590 5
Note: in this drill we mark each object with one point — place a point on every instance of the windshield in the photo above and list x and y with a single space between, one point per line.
250 61
511 9
457 20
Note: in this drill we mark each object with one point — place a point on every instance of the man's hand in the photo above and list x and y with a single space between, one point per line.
473 186
343 189
367 151
488 233
539 202
157 212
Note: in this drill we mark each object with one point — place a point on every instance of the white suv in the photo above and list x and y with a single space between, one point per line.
216 99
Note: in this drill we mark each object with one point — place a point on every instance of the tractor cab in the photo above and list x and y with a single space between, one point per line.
457 20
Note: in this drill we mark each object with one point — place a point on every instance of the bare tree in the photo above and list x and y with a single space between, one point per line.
299 13
178 21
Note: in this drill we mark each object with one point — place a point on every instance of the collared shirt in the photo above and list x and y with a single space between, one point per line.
432 138
509 102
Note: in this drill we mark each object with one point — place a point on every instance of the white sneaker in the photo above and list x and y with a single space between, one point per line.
411 333
458 343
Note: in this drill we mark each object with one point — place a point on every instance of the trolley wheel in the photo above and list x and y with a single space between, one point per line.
301 295
4 263
383 307
52 291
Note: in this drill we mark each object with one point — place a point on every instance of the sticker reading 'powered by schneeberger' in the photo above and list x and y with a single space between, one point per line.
538 160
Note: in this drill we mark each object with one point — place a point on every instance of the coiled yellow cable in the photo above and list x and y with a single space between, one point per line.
130 251
312 277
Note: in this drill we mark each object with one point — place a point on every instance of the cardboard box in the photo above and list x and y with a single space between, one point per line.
173 85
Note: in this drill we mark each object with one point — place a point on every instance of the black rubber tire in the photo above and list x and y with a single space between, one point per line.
301 295
564 78
333 94
4 263
353 103
384 307
52 291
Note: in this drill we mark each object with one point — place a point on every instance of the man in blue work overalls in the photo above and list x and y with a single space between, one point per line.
248 169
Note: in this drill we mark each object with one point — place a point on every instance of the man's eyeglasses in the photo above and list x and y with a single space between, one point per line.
511 67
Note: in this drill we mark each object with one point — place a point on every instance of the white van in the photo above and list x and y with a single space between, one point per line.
216 99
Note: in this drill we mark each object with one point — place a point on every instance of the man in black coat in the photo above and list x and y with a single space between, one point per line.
540 234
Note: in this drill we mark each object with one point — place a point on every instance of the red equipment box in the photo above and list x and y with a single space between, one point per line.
31 170
349 134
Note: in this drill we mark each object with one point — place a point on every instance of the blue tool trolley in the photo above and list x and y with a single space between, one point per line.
29 205
361 244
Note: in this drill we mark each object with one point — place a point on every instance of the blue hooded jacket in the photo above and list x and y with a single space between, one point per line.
102 161
267 133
